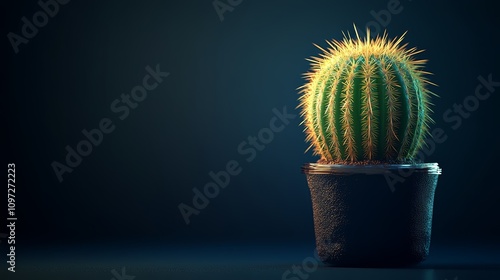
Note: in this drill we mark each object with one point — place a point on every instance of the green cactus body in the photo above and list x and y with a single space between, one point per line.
366 100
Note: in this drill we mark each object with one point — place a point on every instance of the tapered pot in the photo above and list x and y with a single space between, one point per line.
372 215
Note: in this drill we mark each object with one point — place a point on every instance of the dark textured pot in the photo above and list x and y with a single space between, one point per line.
372 215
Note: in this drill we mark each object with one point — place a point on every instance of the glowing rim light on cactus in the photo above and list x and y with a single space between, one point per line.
366 100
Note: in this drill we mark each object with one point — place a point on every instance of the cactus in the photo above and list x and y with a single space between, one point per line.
366 100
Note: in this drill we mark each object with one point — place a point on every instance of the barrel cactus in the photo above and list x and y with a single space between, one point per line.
366 100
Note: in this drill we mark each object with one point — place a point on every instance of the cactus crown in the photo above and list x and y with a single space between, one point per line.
366 100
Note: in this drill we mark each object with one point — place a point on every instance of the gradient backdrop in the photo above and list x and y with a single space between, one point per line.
226 76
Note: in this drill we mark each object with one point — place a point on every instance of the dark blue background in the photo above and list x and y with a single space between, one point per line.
225 79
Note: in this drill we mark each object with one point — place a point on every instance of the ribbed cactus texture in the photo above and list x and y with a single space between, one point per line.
366 100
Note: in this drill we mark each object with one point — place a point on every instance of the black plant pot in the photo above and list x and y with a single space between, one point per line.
372 215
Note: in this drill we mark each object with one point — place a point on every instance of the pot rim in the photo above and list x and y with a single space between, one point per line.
339 169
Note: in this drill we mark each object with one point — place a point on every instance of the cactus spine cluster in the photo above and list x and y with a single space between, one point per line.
366 100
